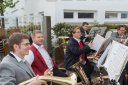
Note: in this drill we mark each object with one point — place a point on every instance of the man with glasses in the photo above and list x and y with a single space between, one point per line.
119 36
13 68
77 51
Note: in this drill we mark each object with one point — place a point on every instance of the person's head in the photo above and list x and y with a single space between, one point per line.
19 44
121 29
76 32
37 37
85 26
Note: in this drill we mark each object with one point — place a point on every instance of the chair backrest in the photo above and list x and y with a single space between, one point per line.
1 47
98 30
94 31
6 48
108 34
2 33
103 31
59 56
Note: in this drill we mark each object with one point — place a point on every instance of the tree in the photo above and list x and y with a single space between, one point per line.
3 5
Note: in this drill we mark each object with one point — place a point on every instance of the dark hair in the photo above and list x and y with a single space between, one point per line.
84 23
16 38
119 26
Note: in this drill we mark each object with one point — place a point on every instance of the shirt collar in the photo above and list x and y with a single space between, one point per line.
17 58
78 40
37 46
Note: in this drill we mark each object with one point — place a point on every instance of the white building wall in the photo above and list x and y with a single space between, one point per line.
41 7
98 6
56 8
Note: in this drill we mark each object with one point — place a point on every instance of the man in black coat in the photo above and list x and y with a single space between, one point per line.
85 32
77 51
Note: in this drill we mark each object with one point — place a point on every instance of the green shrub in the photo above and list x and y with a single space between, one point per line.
62 29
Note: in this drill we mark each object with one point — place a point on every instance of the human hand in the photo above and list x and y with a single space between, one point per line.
122 40
87 36
48 72
90 45
37 81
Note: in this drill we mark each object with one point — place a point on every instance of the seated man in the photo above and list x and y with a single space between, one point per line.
13 68
76 51
85 32
119 36
39 58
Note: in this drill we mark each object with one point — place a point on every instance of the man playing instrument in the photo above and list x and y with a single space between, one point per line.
13 68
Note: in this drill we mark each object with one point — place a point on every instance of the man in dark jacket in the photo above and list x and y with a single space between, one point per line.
76 51
84 32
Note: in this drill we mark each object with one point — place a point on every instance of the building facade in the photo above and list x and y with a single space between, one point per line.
69 11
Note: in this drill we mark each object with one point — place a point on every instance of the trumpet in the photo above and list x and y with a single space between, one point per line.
71 80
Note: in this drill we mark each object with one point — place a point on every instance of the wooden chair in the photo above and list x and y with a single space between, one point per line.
108 34
1 49
6 48
59 56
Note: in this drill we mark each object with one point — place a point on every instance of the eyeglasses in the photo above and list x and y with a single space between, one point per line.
122 30
26 44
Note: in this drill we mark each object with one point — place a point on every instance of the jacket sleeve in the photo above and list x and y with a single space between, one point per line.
74 48
7 75
115 37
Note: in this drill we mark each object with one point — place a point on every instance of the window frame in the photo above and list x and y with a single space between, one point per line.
69 16
84 17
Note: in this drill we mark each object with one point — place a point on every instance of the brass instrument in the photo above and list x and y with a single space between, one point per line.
71 80
80 72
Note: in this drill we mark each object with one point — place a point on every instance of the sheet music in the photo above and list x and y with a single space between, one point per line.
103 56
97 42
116 60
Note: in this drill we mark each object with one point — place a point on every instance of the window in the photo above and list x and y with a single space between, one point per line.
110 15
31 18
124 15
85 15
68 15
25 19
51 0
66 0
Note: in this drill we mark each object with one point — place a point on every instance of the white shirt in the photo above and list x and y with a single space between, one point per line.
18 58
43 52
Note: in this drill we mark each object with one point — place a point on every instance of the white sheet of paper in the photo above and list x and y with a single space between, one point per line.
97 42
116 60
